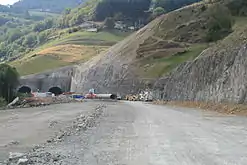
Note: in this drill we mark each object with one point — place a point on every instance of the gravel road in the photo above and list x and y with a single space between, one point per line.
135 133
22 129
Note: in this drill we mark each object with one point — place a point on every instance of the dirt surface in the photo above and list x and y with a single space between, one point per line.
225 108
21 129
133 133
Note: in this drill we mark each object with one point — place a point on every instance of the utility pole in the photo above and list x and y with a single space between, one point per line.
8 93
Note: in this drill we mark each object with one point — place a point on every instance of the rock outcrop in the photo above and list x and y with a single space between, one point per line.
220 78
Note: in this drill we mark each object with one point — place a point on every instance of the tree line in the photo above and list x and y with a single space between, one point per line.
52 5
131 9
9 78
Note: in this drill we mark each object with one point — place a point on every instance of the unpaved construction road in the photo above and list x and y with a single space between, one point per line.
129 133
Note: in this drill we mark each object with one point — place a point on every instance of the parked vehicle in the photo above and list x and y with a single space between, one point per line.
148 96
119 97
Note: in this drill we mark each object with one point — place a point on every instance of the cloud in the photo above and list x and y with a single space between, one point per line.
6 2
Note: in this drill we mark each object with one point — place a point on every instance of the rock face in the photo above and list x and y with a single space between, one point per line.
113 71
219 78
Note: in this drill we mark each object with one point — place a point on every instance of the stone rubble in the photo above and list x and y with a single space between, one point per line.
22 161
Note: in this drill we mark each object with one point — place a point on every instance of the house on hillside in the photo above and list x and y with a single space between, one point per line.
86 25
131 28
119 25
92 30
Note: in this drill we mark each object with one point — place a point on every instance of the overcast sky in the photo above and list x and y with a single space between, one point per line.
6 2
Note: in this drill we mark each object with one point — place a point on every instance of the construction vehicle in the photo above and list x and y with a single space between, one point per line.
148 96
132 98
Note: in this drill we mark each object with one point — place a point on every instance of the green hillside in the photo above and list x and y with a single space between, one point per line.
47 5
67 49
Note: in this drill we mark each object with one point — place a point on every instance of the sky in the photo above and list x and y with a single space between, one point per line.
6 2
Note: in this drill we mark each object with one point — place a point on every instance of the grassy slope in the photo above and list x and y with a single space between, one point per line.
37 13
177 38
89 38
156 67
66 50
184 26
185 29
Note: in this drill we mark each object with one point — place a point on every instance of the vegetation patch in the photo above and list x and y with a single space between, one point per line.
72 53
55 57
39 64
154 67
3 102
8 82
224 108
220 23
67 49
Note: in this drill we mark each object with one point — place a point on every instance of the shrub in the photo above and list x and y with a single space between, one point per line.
9 80
2 102
220 23
109 23
238 7
203 8
158 11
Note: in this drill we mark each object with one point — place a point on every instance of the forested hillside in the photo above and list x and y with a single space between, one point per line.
47 5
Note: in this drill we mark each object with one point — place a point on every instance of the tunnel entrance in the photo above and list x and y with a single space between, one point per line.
24 89
113 97
56 91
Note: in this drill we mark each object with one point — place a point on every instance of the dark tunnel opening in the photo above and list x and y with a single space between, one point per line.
113 96
24 89
56 91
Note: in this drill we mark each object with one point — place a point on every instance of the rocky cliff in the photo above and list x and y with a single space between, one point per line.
214 76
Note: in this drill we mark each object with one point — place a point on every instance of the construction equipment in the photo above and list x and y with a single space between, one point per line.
132 98
148 96
106 96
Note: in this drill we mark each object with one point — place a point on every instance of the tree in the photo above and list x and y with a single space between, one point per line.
14 35
170 5
109 23
118 16
238 7
42 37
2 102
67 11
158 11
8 81
220 23
159 3
43 25
132 9
30 40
